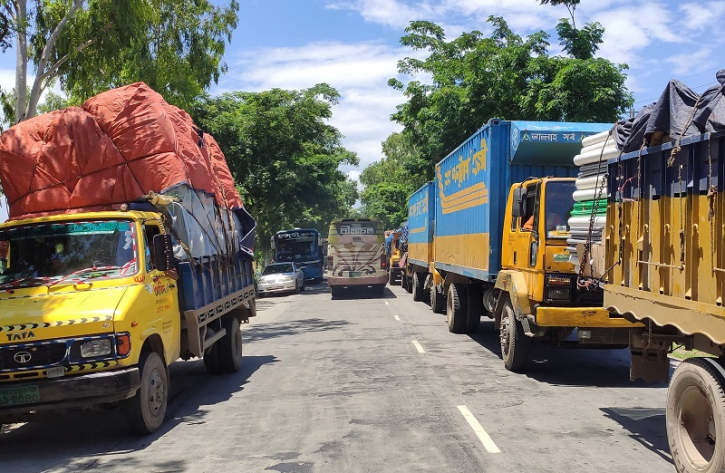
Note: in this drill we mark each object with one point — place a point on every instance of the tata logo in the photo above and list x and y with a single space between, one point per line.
15 337
22 357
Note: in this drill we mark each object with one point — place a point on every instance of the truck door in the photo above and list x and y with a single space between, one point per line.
525 238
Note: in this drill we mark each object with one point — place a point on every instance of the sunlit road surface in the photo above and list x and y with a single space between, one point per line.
367 384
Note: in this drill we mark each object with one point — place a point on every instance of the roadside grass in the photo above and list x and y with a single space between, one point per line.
680 353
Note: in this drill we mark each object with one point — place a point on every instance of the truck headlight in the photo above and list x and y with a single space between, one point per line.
558 293
95 348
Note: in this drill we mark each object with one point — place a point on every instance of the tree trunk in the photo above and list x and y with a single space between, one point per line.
21 67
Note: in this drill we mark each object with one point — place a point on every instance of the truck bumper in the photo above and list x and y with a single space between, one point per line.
75 392
355 281
590 317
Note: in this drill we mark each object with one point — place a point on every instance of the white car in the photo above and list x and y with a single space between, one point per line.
281 277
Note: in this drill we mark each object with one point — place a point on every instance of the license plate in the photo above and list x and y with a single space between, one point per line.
354 274
13 396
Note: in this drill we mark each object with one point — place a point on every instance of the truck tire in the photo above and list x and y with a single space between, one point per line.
147 408
407 283
696 417
437 300
229 347
391 277
514 342
418 291
457 308
475 308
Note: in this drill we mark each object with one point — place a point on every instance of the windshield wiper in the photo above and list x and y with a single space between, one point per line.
92 269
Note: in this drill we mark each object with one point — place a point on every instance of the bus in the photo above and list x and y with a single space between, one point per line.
356 255
302 246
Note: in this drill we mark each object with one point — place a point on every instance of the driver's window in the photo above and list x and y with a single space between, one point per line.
149 231
529 220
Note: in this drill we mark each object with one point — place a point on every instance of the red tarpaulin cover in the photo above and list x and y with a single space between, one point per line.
118 147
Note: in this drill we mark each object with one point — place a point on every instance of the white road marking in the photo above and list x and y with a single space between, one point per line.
386 303
418 347
479 431
397 318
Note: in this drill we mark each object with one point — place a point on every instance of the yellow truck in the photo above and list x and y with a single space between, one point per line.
497 241
113 265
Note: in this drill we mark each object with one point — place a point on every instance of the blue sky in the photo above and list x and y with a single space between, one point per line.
353 45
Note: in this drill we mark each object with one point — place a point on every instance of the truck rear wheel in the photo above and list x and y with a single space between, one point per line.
418 291
437 300
696 417
229 347
457 308
147 408
211 360
514 342
391 277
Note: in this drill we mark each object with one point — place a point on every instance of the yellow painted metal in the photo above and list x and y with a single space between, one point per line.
420 251
471 251
142 304
588 317
515 284
672 268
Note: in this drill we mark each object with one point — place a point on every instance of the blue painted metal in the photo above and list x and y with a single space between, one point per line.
209 279
472 185
421 216
310 260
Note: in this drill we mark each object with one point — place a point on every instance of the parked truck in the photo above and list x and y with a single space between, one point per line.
499 241
665 268
394 250
127 248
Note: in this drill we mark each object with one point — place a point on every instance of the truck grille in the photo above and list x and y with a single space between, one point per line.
31 356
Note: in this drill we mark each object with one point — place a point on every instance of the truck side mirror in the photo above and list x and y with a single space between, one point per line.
518 202
163 252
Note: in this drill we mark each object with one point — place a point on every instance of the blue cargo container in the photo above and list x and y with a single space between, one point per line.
472 185
421 214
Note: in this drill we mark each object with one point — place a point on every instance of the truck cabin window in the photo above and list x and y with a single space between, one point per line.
69 251
529 220
558 206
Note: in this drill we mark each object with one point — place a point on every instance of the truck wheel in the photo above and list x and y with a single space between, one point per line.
229 347
456 309
391 277
696 417
475 308
418 291
514 342
148 407
437 300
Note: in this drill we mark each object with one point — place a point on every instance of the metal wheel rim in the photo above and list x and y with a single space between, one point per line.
696 427
156 392
505 334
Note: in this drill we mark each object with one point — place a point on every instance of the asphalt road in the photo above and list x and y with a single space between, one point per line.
366 384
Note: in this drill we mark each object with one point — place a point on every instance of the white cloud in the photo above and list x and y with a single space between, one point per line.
360 73
694 62
387 12
698 16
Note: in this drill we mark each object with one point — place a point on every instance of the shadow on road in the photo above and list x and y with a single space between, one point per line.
569 366
647 426
362 292
77 438
276 330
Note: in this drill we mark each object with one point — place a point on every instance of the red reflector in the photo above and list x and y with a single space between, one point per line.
383 262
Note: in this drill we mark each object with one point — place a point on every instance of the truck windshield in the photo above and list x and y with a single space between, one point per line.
558 207
51 253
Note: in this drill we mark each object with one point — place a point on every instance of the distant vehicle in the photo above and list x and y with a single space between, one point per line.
356 255
302 246
281 277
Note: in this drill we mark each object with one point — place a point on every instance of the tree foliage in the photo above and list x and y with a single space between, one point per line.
390 181
175 46
475 78
283 155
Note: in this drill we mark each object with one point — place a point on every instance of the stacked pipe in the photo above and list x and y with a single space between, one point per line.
589 215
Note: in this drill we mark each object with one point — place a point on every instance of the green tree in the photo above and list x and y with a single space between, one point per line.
283 155
176 46
390 181
475 78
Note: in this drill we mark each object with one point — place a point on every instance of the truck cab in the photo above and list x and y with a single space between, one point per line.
539 293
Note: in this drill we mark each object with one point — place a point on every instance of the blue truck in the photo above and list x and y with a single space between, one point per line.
502 201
